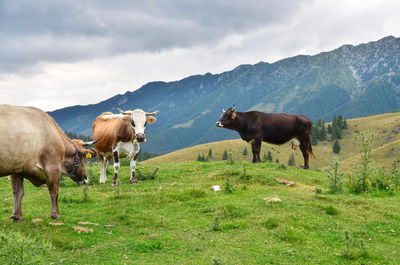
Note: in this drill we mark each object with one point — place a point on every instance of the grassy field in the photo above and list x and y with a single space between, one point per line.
176 218
387 146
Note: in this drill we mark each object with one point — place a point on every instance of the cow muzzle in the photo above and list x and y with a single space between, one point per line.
140 137
219 124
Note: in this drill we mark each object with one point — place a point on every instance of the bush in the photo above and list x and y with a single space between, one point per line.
362 171
335 178
336 147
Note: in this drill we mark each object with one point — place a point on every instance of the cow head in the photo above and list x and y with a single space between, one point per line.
76 164
139 120
227 119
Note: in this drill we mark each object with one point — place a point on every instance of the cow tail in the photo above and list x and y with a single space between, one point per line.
310 149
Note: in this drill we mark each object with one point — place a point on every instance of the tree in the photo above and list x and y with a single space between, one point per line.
329 129
198 157
210 154
345 126
337 132
322 132
245 152
340 121
277 161
265 158
336 147
292 161
314 140
225 155
269 156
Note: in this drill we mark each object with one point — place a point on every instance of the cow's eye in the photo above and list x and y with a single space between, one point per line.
133 123
145 123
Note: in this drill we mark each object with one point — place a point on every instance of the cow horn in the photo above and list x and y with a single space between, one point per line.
233 108
91 142
124 112
152 113
223 110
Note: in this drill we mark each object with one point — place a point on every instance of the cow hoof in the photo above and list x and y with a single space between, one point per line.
133 182
113 184
55 216
102 182
17 218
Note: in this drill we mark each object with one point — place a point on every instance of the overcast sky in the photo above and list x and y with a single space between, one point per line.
55 54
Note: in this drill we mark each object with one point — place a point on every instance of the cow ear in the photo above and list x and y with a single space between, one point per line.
150 119
233 115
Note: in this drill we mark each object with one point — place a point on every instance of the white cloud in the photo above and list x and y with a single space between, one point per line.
107 50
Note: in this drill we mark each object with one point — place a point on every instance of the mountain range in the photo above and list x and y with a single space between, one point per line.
351 80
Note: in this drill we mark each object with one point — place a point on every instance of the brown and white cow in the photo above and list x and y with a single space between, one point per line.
119 136
34 147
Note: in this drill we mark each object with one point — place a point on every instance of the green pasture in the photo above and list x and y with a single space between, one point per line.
176 218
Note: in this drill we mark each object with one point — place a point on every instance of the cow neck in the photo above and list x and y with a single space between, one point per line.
239 126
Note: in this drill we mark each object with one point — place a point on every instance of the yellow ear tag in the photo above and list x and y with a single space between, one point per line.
88 155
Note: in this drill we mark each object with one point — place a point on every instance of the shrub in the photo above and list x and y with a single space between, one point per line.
225 155
335 178
336 147
362 171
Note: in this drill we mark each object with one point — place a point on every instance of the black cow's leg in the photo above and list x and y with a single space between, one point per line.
304 150
116 167
256 148
17 184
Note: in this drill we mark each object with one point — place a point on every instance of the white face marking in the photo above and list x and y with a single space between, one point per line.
138 116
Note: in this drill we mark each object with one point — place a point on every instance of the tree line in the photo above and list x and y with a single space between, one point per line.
319 132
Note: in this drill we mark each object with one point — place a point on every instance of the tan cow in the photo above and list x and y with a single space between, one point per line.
34 147
119 136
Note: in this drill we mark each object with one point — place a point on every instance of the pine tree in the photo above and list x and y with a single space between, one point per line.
334 122
322 133
314 140
336 147
269 156
225 155
198 157
264 157
338 132
277 161
340 121
292 161
210 154
345 126
329 129
245 152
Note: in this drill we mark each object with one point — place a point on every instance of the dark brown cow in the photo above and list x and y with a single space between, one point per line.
35 148
120 136
255 127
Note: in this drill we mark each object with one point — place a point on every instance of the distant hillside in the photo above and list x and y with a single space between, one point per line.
352 80
386 148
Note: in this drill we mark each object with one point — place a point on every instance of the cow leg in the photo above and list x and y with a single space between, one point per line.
256 148
116 166
53 187
17 184
304 150
136 148
103 169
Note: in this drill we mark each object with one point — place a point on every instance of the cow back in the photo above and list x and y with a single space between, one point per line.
111 129
29 138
